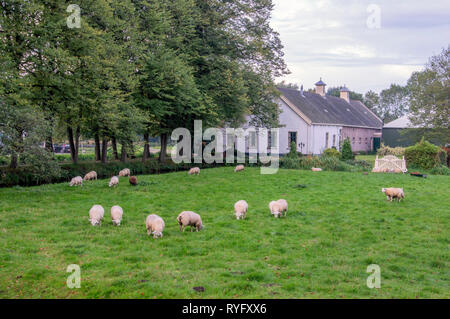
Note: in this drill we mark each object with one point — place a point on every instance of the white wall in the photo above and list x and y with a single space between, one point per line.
318 137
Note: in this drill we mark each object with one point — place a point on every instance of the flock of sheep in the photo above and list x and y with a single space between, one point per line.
155 224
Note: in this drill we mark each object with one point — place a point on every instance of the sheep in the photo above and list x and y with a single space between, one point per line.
133 180
116 215
155 225
114 181
314 169
125 172
96 214
240 209
90 175
277 208
239 168
393 193
76 181
188 218
194 171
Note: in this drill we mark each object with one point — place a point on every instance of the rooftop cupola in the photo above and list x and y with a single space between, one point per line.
345 94
320 87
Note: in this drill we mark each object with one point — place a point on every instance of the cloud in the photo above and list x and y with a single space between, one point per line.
331 39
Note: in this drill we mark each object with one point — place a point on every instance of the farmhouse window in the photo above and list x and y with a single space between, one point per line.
326 139
353 140
253 139
360 140
292 137
334 140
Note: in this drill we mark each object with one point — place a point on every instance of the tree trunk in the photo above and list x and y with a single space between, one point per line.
114 146
97 147
146 147
162 153
72 145
49 144
13 163
104 150
77 142
123 153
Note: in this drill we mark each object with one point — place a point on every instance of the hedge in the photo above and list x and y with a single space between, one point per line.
425 155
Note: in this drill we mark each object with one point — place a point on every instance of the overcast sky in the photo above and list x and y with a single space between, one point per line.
331 39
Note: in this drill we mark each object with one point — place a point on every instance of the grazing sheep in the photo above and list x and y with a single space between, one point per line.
240 209
314 169
277 208
76 181
155 225
125 172
194 171
90 175
239 168
394 193
116 215
188 218
133 180
114 181
96 214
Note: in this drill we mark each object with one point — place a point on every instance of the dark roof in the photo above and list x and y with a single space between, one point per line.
331 110
320 83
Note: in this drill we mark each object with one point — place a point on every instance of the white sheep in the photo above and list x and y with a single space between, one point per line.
277 208
194 171
125 172
315 169
90 175
240 209
116 215
155 225
96 214
393 193
188 218
114 181
76 181
239 168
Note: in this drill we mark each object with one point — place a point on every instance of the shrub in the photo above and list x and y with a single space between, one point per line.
331 152
386 150
440 170
293 151
425 155
347 153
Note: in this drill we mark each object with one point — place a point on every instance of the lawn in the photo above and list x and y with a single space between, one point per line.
337 224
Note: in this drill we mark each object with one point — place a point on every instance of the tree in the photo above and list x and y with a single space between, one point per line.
372 101
394 103
429 92
286 85
346 150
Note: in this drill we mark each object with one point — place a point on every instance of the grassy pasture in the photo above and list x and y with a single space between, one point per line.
337 224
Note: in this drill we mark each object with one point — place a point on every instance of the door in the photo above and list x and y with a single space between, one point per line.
376 143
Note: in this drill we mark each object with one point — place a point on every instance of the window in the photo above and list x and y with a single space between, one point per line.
353 140
292 137
334 140
367 141
326 139
272 139
360 140
230 140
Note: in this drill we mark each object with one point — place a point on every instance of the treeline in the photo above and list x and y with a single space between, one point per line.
132 68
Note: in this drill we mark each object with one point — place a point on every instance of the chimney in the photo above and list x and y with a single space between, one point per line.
301 91
320 87
345 94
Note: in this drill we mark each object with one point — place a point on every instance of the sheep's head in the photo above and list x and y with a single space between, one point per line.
383 190
116 222
94 222
157 234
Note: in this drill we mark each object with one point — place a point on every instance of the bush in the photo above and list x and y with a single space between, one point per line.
440 170
347 153
386 150
327 163
331 152
293 151
425 155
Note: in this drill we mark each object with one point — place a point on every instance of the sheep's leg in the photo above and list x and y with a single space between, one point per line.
191 229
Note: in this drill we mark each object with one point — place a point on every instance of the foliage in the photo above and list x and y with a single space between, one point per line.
440 170
327 163
425 155
293 150
346 150
386 150
331 152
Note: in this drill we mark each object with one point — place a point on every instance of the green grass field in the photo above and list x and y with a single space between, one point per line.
337 224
